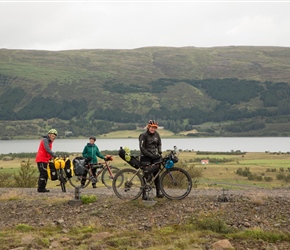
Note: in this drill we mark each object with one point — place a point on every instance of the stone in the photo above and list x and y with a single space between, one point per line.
222 244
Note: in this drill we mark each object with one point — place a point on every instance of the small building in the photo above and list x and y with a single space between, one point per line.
204 162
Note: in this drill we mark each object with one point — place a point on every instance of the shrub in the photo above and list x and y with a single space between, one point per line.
268 178
26 176
280 176
287 178
86 199
6 180
246 172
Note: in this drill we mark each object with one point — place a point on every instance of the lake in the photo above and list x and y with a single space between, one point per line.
220 144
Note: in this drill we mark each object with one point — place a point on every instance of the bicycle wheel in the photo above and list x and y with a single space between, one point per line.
107 179
76 181
128 184
175 183
62 180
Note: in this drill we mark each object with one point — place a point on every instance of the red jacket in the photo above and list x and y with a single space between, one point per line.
44 153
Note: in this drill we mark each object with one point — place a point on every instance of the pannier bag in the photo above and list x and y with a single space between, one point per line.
68 168
59 163
79 165
125 154
149 169
51 171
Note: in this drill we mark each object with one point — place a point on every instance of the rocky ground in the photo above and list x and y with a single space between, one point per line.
267 209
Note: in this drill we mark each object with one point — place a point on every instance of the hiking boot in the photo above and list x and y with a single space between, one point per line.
144 197
94 185
159 195
43 190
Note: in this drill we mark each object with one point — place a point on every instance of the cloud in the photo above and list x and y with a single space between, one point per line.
128 24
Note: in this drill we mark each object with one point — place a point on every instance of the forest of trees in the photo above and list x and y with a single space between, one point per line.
228 93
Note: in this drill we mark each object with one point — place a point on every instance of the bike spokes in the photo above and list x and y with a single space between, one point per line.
127 184
176 183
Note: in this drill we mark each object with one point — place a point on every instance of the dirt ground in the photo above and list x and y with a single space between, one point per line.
268 209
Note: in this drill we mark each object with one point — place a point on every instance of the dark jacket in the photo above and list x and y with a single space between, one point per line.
92 151
44 153
150 145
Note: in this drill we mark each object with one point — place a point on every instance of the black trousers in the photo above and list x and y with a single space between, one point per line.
146 161
83 181
43 176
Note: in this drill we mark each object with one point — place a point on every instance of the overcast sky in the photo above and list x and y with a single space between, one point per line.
66 25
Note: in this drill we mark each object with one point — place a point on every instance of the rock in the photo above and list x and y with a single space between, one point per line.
222 244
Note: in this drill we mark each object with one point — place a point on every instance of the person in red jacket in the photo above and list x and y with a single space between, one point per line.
44 154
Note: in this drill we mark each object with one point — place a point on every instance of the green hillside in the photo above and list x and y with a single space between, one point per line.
220 91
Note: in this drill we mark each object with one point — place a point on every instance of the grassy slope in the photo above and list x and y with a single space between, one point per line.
93 68
84 74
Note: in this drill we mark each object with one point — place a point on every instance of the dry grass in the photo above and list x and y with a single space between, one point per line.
12 195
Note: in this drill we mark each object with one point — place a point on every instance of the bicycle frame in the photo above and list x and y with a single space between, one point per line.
103 169
102 166
139 170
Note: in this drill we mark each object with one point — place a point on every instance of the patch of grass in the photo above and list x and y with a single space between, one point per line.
43 242
87 199
24 228
211 223
268 236
84 229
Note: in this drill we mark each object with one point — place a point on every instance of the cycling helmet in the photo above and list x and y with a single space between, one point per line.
152 123
93 138
52 131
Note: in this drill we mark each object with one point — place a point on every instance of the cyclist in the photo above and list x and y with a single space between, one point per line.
91 151
150 149
44 154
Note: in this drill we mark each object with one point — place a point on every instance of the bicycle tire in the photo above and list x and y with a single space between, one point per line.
75 181
107 179
128 184
62 180
175 183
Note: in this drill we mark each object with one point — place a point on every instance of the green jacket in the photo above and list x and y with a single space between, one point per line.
91 150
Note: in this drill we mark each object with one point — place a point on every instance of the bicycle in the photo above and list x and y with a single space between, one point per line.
175 182
103 168
62 167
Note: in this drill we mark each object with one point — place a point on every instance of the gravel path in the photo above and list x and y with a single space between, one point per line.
245 191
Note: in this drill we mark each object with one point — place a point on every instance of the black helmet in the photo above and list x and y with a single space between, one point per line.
93 138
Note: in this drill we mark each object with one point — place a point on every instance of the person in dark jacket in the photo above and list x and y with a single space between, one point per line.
150 149
91 151
44 154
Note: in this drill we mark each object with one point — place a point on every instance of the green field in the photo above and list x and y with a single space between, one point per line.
215 174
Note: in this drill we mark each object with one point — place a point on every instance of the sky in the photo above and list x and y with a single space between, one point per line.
69 25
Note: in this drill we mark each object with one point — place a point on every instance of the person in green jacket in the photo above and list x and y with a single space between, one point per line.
91 151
